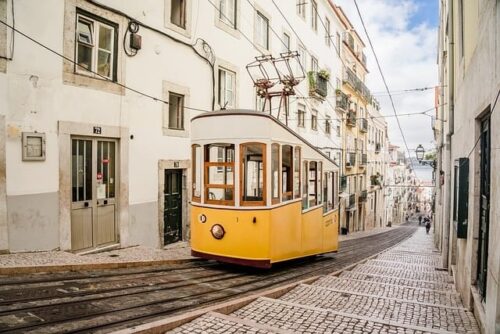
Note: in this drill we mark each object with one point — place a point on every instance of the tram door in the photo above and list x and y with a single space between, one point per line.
172 200
484 213
93 187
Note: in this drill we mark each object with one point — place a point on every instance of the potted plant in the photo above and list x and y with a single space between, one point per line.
324 74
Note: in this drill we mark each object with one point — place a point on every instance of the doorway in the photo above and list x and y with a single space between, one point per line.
93 187
484 207
172 206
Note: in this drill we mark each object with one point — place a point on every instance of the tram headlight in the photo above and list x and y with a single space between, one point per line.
218 231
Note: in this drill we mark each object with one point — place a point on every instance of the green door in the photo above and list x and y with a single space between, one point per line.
172 206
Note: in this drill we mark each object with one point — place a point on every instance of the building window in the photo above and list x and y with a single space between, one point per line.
461 27
313 184
302 58
253 174
301 8
175 111
275 177
95 47
227 12
328 41
286 172
286 42
178 13
314 120
226 88
259 102
328 125
314 15
219 187
314 64
262 30
305 185
301 115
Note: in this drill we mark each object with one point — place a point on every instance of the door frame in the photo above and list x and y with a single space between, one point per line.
185 166
69 130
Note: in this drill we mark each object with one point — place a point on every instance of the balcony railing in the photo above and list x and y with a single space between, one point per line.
342 100
350 159
352 79
351 118
343 183
364 159
363 125
377 147
363 196
318 85
352 200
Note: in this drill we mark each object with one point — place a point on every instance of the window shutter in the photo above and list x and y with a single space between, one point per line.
462 200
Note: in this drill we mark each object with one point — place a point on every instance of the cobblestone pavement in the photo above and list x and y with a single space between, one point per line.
403 290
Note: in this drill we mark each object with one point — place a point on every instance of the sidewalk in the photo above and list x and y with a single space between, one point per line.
55 261
401 290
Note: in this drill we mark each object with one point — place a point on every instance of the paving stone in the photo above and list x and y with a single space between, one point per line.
440 286
391 291
211 324
403 312
416 259
402 265
313 320
401 273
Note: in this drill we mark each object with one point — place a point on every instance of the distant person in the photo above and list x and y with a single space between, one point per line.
427 226
419 220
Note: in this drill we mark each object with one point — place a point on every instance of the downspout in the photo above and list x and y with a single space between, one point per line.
447 143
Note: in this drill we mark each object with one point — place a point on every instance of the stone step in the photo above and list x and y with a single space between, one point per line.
439 286
216 323
401 273
300 318
391 310
416 259
447 298
402 265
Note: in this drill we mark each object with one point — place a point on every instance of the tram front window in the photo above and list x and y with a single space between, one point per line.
286 172
219 174
253 174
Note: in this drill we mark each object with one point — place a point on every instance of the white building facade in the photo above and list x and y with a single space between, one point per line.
95 108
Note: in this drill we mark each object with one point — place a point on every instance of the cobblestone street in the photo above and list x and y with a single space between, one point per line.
403 290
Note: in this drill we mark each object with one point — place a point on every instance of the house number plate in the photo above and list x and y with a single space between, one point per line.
97 130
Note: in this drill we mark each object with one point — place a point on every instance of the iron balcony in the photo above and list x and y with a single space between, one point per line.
318 85
363 125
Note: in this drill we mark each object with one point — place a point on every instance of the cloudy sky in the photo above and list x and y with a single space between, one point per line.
404 35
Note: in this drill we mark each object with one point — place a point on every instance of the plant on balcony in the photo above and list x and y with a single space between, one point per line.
375 180
317 84
338 92
324 74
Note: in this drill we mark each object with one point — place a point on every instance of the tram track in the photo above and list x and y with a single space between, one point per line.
188 287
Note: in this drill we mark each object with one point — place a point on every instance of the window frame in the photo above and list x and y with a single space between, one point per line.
183 23
206 167
328 41
234 23
314 15
222 89
182 97
275 199
264 18
301 9
287 39
287 195
242 175
314 120
96 21
297 164
301 116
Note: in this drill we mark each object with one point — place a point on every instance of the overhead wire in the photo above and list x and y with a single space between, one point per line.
384 81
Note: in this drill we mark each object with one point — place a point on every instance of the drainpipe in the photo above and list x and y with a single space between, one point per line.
448 146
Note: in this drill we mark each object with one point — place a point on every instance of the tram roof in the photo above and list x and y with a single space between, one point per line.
251 112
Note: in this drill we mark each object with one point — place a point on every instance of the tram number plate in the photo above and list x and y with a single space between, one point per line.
97 130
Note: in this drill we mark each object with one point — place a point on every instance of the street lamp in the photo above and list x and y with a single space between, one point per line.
420 153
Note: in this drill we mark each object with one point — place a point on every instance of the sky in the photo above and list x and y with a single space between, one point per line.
404 36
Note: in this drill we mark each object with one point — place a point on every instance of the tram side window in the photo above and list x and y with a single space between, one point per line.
313 184
253 174
296 173
219 174
335 190
319 189
196 158
286 172
328 186
305 185
275 177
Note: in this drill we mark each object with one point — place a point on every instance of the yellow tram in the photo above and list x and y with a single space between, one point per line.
261 194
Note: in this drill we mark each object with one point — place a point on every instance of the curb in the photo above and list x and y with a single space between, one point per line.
12 271
169 323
